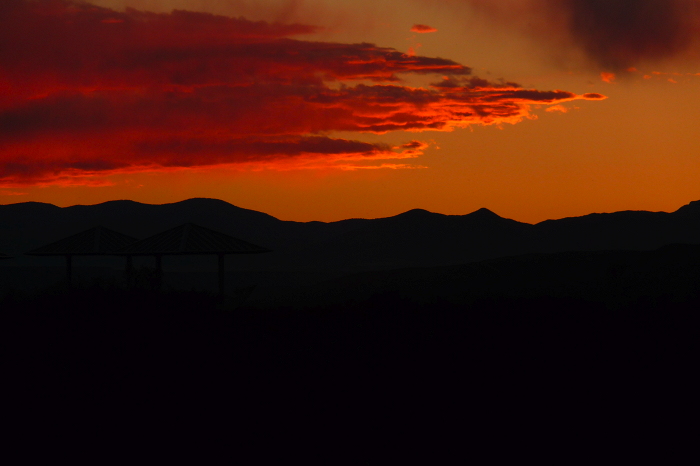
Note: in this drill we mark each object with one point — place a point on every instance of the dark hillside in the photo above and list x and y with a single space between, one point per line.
316 250
620 230
605 279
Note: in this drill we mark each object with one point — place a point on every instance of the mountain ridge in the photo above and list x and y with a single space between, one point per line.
693 207
198 200
413 238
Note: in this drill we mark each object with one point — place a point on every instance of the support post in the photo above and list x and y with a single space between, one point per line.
222 273
69 269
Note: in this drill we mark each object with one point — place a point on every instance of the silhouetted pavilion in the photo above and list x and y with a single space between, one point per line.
97 241
191 239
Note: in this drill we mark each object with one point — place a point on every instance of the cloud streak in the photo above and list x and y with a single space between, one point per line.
422 28
87 92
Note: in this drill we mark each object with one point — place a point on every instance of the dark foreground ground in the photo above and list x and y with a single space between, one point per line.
495 363
384 354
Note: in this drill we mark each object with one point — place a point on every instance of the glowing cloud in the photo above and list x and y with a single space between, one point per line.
87 92
557 108
422 28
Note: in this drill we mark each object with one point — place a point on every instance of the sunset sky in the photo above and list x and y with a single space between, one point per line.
332 109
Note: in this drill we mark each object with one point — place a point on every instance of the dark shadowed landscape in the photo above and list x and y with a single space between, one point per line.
472 315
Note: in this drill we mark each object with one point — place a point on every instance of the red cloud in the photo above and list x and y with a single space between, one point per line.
163 154
87 92
422 28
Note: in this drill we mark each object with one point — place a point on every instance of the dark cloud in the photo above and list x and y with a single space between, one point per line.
414 145
86 91
177 151
621 33
594 96
614 34
60 43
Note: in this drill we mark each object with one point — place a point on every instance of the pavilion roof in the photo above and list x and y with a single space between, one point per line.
93 242
192 239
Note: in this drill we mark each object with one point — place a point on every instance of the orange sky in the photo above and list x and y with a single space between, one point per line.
326 110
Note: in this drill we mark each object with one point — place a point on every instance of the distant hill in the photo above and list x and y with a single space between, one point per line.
411 239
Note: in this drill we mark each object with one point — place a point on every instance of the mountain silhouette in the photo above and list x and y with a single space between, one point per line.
413 238
692 209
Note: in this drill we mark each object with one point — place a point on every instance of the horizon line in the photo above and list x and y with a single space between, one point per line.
341 220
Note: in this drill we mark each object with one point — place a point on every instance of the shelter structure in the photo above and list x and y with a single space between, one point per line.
191 239
97 241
